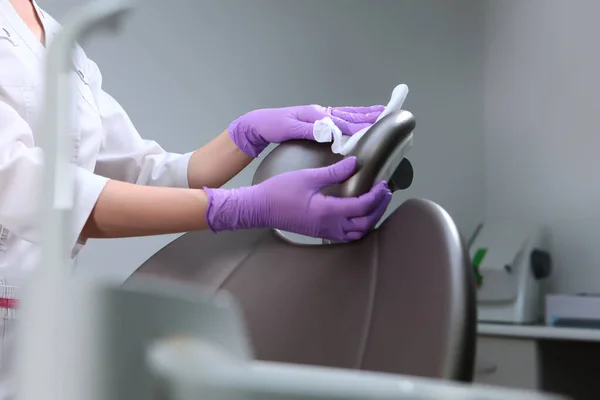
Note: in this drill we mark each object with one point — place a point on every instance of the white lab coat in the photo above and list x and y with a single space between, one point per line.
106 143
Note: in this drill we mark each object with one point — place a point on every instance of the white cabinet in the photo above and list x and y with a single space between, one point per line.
507 362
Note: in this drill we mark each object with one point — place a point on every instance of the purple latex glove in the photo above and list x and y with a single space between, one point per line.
293 202
253 132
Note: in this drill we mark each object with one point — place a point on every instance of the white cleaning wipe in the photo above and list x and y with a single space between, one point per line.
324 130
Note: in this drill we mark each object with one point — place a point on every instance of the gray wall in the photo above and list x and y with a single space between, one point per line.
183 69
542 66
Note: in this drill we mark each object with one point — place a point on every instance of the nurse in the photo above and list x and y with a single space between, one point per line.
128 186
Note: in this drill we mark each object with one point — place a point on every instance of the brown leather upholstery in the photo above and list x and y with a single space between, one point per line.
402 300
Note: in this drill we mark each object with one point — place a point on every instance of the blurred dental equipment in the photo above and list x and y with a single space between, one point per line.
43 370
78 340
512 261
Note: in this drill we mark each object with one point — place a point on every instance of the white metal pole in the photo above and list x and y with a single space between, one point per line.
45 363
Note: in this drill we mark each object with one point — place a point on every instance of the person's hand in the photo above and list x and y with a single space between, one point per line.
254 131
293 202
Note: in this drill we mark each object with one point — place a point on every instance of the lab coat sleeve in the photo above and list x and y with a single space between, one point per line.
124 154
21 165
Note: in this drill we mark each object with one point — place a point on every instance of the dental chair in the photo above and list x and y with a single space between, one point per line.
401 300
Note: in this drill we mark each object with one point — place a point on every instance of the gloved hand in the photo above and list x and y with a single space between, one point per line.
253 131
292 202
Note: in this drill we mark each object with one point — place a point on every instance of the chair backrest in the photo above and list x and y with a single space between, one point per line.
425 279
401 300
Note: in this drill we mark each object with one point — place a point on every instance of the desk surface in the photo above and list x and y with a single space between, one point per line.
539 332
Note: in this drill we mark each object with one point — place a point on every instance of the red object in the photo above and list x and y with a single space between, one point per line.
8 303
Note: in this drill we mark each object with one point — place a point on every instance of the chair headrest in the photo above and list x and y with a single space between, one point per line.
380 155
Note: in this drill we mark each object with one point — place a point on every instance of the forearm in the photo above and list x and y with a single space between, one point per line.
216 163
128 210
